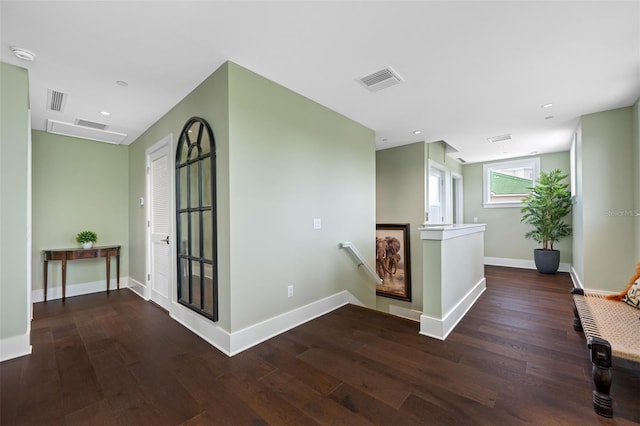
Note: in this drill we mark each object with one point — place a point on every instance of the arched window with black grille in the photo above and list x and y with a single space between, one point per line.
196 219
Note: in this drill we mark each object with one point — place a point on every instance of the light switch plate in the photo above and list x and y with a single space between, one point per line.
317 223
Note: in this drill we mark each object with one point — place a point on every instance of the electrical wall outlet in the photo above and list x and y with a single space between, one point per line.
290 291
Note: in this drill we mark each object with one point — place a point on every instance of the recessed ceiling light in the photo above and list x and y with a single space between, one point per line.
107 113
122 83
23 54
417 132
549 105
384 139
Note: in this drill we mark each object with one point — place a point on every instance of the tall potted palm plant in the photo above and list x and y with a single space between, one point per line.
545 209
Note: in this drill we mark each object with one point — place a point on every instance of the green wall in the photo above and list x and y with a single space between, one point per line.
401 195
14 202
504 235
400 198
636 169
78 184
607 193
209 101
292 160
282 160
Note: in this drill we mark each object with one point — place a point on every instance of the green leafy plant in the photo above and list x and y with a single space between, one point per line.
86 237
546 207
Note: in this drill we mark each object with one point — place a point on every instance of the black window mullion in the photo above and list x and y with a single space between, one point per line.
194 211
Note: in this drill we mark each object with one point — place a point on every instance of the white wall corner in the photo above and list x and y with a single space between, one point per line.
520 263
14 347
440 328
257 333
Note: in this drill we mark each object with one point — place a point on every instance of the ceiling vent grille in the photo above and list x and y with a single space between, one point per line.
56 101
92 124
382 79
501 138
84 132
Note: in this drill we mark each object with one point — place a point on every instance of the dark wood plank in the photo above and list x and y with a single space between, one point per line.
514 359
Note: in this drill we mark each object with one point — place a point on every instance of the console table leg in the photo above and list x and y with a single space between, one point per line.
118 270
64 279
44 279
108 271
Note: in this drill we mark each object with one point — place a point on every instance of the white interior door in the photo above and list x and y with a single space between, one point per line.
160 243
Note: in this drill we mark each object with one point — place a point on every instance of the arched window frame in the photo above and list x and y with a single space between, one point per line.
197 269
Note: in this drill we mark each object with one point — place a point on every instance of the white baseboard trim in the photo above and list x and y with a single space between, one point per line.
520 263
137 287
401 311
233 343
440 328
14 347
257 333
576 279
203 327
578 284
78 289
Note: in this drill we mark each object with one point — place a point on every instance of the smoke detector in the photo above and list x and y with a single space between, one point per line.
379 80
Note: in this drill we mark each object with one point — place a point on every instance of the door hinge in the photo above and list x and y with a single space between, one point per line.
148 169
148 223
148 277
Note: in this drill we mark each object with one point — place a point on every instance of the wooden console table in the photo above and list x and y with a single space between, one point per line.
79 253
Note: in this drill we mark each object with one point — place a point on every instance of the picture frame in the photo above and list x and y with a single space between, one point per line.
393 261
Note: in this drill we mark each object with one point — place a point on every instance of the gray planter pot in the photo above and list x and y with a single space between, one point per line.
547 261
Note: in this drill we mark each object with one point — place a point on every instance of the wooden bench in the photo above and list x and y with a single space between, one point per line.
612 329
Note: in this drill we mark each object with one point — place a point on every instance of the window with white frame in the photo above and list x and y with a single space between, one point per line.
506 183
438 191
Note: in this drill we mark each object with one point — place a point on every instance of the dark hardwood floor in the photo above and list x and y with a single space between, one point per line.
514 359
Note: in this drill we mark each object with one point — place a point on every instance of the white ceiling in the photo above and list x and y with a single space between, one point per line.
471 70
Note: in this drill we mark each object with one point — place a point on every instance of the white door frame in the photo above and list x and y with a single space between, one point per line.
166 141
445 207
457 184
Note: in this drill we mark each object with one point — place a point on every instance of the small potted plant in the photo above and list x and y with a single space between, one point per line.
87 238
545 209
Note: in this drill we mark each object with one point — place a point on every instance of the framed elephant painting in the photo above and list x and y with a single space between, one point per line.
393 264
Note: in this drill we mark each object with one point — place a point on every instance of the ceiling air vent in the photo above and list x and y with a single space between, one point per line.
92 124
380 79
502 138
56 101
85 132
462 160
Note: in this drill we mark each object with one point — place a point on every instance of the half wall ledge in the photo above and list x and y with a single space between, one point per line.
453 278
